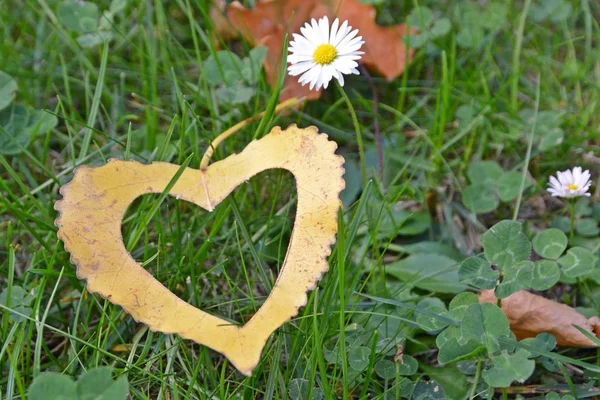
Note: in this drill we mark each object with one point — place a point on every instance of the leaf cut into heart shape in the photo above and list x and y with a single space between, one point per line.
270 20
94 202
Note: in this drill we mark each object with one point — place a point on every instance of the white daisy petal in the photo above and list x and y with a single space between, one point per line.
310 33
324 29
300 42
295 58
350 47
316 81
562 178
350 60
569 176
584 177
300 68
314 24
334 29
342 31
323 52
554 182
348 38
570 183
340 78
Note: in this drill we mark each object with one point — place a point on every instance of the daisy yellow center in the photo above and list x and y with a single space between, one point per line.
572 187
325 54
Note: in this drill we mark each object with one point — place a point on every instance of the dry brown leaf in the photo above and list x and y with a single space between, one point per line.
529 314
95 201
384 47
221 25
270 20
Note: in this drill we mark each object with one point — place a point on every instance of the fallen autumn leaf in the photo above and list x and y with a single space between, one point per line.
529 314
270 20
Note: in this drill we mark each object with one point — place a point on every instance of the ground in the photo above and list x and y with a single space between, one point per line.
498 97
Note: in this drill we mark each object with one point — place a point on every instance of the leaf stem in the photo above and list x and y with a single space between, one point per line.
361 150
476 381
226 134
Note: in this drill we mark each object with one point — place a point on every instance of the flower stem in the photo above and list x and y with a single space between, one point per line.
376 128
361 150
572 210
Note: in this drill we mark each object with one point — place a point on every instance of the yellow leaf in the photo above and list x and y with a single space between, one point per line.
95 201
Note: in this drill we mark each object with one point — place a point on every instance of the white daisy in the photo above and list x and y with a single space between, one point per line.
570 183
321 53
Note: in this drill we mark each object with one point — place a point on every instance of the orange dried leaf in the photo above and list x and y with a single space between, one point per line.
222 28
529 314
270 20
95 201
385 51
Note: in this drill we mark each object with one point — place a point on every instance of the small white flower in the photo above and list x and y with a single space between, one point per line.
570 183
321 53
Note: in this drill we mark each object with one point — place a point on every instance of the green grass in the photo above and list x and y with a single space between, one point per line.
145 96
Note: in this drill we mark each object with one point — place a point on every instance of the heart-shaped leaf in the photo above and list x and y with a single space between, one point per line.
452 350
385 369
587 227
299 389
8 87
225 68
19 125
432 272
432 307
545 274
484 172
430 390
94 39
480 198
408 366
358 358
393 221
95 384
557 396
550 243
452 332
577 262
478 272
508 368
504 244
551 138
554 10
52 385
96 200
509 185
252 65
460 304
543 341
516 277
484 324
78 16
19 301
